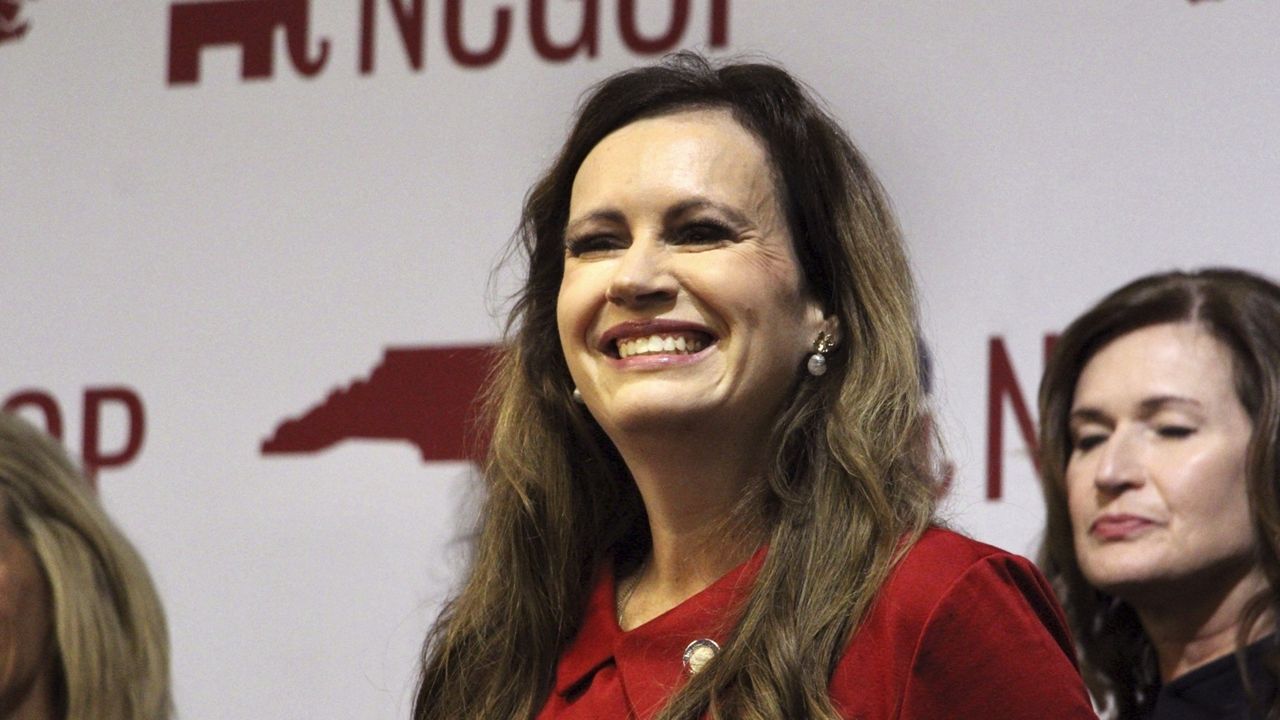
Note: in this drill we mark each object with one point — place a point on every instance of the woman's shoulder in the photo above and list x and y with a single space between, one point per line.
940 555
943 544
958 625
942 570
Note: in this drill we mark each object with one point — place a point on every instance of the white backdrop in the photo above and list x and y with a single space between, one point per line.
229 251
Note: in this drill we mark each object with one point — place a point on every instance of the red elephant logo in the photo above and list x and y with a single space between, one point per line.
12 26
251 24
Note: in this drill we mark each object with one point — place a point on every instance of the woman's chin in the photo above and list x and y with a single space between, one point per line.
1158 580
659 416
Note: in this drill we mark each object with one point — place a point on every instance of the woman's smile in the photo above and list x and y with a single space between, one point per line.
660 345
641 342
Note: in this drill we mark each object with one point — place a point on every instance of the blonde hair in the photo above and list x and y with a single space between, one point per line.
112 649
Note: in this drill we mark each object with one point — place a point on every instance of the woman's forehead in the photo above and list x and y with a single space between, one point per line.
701 152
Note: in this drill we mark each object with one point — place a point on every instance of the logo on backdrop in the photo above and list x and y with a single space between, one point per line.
12 25
251 26
97 406
1003 388
424 396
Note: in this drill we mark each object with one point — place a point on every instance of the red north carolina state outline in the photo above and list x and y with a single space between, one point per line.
425 396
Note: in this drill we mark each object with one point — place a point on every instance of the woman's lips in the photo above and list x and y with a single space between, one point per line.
1120 527
655 342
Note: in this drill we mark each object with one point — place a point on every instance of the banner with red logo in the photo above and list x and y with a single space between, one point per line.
246 252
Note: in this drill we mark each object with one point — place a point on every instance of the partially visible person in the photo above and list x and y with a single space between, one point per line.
1160 412
82 633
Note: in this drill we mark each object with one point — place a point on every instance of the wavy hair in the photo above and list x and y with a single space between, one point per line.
851 478
1241 310
111 644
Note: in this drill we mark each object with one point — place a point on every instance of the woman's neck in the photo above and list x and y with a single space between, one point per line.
693 493
1198 627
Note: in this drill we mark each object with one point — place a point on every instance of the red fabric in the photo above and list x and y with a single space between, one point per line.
959 630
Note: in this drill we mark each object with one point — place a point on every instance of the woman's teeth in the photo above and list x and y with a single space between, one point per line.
659 344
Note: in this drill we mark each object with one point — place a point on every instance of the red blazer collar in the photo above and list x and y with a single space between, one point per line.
650 658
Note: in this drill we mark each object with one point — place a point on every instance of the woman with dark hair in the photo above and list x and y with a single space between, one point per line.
82 633
709 485
1160 412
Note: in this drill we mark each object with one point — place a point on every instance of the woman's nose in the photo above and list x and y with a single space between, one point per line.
642 274
1120 466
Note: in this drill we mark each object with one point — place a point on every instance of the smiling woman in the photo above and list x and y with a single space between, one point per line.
676 237
709 489
1160 410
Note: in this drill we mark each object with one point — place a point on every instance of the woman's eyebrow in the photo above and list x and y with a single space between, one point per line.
1152 405
735 215
1086 415
1146 408
609 215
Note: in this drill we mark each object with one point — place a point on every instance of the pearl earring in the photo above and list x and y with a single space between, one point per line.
817 364
577 396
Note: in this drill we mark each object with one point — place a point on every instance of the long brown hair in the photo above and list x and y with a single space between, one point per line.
112 646
851 479
1240 309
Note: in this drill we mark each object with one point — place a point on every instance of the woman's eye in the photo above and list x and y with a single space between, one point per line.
702 233
1085 443
592 244
1174 431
